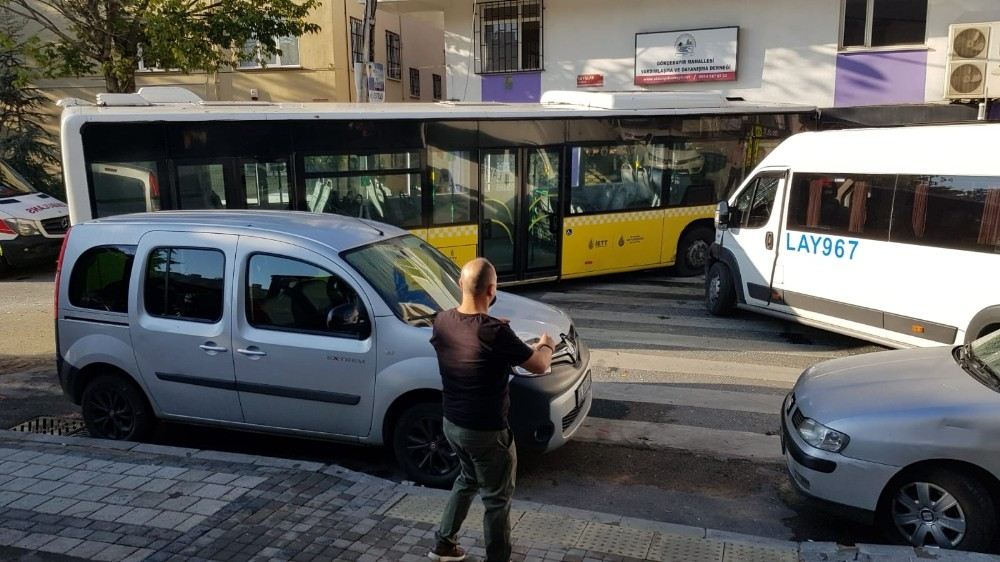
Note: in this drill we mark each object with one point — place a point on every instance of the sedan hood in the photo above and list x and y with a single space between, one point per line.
883 383
529 318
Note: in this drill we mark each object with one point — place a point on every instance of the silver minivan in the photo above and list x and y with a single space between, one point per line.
296 323
909 438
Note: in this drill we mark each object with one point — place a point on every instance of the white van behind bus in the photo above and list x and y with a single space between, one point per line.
32 224
890 235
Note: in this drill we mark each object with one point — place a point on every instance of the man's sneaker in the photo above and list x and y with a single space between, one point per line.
445 553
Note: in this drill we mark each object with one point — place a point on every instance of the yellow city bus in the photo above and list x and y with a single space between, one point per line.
577 185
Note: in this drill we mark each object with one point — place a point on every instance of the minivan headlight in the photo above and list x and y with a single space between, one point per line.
23 227
822 437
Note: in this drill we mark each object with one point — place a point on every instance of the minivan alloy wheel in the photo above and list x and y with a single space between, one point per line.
428 449
112 413
928 515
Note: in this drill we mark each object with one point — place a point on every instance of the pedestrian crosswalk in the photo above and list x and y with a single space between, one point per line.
669 375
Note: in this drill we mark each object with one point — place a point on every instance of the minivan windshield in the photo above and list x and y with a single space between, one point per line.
413 278
12 184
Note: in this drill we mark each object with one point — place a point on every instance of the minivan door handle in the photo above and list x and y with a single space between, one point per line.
769 240
251 351
212 349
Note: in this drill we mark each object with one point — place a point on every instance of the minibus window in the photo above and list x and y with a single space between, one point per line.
853 205
957 212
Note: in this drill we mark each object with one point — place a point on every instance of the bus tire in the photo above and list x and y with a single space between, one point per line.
720 293
692 251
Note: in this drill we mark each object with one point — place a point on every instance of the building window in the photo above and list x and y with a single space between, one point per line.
437 86
289 47
394 70
884 23
508 36
358 40
414 83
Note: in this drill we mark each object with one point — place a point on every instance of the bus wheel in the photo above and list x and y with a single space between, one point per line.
692 252
421 448
720 294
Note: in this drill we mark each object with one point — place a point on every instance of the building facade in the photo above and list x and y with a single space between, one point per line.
314 67
827 53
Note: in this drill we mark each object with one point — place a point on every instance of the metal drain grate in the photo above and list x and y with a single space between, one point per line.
51 425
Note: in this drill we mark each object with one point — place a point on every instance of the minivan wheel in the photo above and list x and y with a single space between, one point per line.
692 251
114 408
940 508
421 448
720 294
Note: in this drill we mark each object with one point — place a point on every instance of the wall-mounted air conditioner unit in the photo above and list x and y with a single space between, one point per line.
973 70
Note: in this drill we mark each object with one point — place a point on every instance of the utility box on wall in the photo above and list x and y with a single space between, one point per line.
973 70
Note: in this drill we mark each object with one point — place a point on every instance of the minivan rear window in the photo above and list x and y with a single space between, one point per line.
185 284
100 278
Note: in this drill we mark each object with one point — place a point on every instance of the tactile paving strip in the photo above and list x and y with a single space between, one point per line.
676 548
548 528
613 539
428 510
736 552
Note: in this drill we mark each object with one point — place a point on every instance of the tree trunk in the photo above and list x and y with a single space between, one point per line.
118 84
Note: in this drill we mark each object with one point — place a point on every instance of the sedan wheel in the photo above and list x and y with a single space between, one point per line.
928 515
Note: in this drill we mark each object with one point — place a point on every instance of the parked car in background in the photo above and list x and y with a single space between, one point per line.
909 438
297 323
32 224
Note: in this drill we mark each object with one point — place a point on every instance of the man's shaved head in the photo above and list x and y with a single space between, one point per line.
477 277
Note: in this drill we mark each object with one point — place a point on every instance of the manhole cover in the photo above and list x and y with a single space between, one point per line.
51 425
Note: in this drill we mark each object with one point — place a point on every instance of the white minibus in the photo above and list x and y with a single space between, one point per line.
890 235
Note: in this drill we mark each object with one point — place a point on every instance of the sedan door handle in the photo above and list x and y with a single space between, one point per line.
212 348
252 352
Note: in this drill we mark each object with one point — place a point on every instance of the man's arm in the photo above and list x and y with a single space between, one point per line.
541 359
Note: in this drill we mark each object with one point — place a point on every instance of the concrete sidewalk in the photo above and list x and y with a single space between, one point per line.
69 499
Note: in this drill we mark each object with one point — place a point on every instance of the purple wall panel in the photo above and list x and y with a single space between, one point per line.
875 78
519 87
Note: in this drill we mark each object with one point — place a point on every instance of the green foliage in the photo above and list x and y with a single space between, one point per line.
111 36
24 144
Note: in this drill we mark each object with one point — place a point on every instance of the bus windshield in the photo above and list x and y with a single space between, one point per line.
12 184
413 278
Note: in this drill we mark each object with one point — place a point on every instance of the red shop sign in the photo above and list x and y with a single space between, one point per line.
589 80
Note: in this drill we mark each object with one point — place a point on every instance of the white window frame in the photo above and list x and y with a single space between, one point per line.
869 23
249 65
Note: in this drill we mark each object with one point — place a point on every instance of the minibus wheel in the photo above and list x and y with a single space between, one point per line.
720 293
692 251
421 448
939 507
114 408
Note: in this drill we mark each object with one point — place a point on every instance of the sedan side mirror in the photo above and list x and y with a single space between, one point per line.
722 215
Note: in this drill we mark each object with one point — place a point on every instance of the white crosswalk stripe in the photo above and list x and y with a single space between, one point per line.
669 375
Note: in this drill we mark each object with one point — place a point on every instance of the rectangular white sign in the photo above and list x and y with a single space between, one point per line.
695 55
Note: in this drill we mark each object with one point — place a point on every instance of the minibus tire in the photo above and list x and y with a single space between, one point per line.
422 425
972 496
133 419
695 241
720 293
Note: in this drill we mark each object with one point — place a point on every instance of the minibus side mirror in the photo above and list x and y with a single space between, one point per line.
722 215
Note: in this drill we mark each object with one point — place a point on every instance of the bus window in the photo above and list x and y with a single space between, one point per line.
125 187
697 172
956 212
454 186
854 205
614 178
266 185
381 187
201 186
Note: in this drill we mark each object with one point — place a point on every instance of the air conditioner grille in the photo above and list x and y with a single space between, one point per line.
966 79
969 43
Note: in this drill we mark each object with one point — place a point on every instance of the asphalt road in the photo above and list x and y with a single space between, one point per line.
674 387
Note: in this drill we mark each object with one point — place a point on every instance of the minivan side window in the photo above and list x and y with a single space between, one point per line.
100 278
185 284
754 204
956 212
854 205
290 295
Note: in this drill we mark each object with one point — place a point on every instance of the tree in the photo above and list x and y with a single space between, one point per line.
111 36
24 143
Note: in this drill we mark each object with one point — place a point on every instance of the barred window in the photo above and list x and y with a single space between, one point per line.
358 42
394 70
438 94
508 36
414 83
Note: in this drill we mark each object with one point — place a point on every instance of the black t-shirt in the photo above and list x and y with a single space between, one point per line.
475 353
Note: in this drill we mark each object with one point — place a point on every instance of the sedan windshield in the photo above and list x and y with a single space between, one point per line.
12 184
413 278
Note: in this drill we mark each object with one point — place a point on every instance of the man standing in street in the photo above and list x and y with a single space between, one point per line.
475 354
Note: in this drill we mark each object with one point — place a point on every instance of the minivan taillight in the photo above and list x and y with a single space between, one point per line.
59 263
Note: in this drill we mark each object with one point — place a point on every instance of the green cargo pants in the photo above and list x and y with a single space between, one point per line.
488 461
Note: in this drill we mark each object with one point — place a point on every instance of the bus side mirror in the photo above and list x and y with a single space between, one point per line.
722 215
